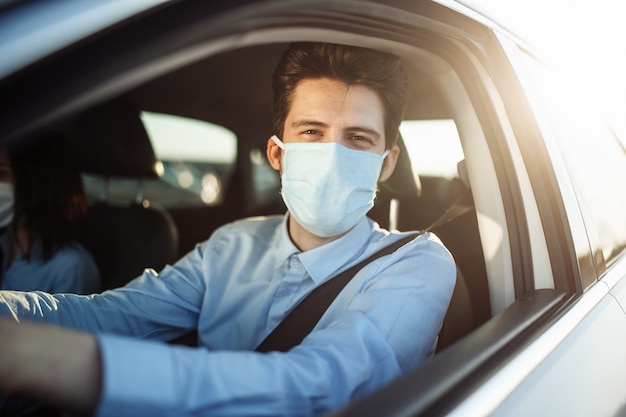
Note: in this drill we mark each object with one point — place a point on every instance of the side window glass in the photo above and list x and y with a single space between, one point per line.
434 149
433 146
265 180
595 158
197 159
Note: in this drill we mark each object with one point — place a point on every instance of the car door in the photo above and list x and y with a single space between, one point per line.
581 352
568 234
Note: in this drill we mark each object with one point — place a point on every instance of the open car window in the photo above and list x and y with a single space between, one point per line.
195 161
434 147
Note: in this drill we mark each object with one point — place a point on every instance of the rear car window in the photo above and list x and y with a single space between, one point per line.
433 146
196 158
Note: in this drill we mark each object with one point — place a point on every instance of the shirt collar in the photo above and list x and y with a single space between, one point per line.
286 248
323 262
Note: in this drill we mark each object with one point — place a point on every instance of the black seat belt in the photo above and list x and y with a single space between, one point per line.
301 320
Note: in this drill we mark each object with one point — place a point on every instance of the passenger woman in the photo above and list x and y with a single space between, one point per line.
42 203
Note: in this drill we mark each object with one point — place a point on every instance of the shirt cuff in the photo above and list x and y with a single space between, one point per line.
137 378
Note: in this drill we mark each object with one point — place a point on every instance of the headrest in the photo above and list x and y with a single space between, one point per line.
111 140
462 170
404 181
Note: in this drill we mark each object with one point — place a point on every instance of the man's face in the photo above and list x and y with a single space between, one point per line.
325 110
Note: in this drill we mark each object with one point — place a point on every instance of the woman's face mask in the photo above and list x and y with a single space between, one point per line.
6 203
328 187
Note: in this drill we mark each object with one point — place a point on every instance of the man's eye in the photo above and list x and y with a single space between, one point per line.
363 139
311 132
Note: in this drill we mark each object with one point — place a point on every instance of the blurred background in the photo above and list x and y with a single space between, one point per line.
585 39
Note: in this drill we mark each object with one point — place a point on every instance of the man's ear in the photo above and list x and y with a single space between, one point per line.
274 154
389 164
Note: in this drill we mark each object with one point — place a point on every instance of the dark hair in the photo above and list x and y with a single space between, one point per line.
49 193
379 71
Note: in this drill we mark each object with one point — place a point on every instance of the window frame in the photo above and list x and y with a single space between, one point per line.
482 352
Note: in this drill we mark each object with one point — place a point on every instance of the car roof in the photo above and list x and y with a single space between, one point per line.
195 91
31 30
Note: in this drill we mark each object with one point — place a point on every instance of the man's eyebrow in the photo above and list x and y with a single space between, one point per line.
306 122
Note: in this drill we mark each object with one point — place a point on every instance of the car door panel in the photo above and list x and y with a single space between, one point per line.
615 278
431 389
560 372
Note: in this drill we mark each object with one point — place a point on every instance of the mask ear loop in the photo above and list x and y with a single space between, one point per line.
383 156
278 142
280 145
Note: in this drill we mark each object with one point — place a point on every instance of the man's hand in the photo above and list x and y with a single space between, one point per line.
58 366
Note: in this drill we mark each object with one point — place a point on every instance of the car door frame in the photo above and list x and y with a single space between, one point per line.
457 372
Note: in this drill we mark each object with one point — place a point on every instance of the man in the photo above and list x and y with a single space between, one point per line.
337 111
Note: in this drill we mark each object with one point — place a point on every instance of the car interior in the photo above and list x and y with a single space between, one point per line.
149 208
170 121
168 108
132 230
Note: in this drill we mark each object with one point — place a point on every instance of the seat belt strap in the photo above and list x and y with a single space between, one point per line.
459 208
302 319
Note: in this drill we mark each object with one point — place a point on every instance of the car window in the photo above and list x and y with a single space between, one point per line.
595 159
265 180
196 161
433 146
434 149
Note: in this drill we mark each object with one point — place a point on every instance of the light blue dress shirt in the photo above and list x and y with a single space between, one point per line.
71 269
235 288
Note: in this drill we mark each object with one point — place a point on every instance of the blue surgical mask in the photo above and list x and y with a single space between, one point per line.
328 187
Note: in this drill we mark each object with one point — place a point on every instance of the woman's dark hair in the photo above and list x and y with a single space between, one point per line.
379 71
49 193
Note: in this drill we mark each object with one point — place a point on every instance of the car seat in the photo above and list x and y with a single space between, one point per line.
124 239
398 206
